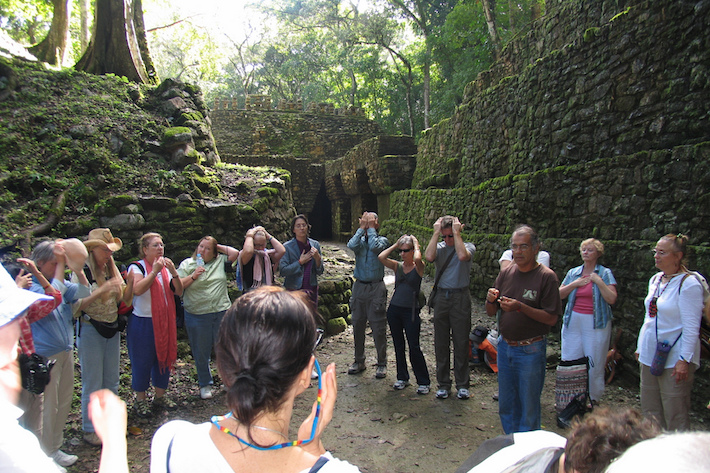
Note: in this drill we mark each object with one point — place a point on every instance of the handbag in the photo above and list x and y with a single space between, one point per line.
572 382
576 407
106 329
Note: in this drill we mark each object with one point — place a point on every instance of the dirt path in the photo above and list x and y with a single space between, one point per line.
374 427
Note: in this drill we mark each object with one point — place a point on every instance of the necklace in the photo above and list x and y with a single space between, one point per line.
216 422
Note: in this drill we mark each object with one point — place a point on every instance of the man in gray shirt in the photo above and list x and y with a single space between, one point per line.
452 304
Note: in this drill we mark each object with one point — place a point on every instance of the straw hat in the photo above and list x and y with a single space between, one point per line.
13 300
103 237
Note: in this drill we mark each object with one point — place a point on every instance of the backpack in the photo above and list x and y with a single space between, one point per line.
704 321
179 310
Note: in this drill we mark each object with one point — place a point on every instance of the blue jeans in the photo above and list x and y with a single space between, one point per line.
401 324
99 359
202 331
521 376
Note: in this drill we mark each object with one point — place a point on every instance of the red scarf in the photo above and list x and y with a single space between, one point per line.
162 308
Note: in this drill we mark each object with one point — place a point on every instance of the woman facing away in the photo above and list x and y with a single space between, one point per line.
265 357
403 311
668 347
205 299
590 290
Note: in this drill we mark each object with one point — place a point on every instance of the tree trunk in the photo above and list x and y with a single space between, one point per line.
353 87
53 47
427 82
85 15
489 7
115 46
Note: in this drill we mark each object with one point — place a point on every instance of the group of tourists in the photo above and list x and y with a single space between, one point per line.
265 341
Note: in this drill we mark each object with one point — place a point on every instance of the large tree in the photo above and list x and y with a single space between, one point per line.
53 47
118 44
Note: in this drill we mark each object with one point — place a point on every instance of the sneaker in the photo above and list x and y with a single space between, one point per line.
356 368
60 468
463 394
92 439
381 372
143 408
423 389
165 402
206 392
63 459
495 396
442 394
400 384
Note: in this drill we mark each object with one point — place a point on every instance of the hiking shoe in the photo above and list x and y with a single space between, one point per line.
400 384
356 368
423 389
165 402
442 394
381 372
92 439
143 408
463 394
206 392
63 459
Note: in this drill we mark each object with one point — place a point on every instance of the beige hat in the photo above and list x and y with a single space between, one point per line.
103 237
75 252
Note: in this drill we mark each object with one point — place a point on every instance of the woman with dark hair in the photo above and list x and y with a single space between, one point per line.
403 311
205 299
265 357
668 346
151 334
590 290
302 263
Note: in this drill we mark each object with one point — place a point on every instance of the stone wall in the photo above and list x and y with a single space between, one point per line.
605 133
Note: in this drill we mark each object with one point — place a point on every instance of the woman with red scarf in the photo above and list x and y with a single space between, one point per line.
151 334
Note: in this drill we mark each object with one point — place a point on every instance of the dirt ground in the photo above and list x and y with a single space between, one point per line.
374 426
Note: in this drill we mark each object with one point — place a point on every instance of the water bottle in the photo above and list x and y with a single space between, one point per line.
200 261
659 359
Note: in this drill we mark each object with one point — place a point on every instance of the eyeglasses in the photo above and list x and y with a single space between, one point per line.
405 250
523 247
217 419
660 253
653 308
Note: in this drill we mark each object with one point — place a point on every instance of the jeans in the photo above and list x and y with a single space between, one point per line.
202 331
367 304
99 360
140 340
402 322
452 322
521 376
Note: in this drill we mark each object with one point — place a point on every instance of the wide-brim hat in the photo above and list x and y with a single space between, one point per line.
13 300
103 237
75 253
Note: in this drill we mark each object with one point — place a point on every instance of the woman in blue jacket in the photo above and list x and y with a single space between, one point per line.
302 263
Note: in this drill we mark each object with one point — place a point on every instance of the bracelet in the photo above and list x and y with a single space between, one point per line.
192 277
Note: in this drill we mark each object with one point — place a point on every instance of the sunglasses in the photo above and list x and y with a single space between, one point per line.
217 419
447 236
406 251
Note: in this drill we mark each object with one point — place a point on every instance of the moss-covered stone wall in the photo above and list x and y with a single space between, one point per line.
602 130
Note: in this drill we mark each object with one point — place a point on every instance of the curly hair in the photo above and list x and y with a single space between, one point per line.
599 438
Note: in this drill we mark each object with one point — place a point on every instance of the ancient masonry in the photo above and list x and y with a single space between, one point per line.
340 164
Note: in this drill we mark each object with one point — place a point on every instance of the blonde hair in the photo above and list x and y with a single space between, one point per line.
145 241
594 242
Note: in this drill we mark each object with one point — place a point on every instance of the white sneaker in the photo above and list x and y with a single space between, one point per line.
60 468
63 459
206 392
400 384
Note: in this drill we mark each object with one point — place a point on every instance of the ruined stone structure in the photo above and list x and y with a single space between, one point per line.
303 143
595 126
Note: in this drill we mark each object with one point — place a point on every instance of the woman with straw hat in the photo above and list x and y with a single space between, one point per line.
98 329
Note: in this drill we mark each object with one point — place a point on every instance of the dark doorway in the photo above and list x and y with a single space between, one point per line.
321 217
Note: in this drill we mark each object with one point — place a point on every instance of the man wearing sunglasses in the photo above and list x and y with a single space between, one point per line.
527 294
452 304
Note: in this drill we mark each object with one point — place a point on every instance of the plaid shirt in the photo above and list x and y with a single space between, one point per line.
35 312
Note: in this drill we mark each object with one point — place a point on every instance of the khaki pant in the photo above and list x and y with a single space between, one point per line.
57 401
665 400
32 405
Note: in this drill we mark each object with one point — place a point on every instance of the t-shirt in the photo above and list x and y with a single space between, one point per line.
188 448
538 288
142 305
208 293
458 273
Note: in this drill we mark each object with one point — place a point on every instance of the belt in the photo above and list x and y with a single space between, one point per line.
522 343
458 289
367 282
